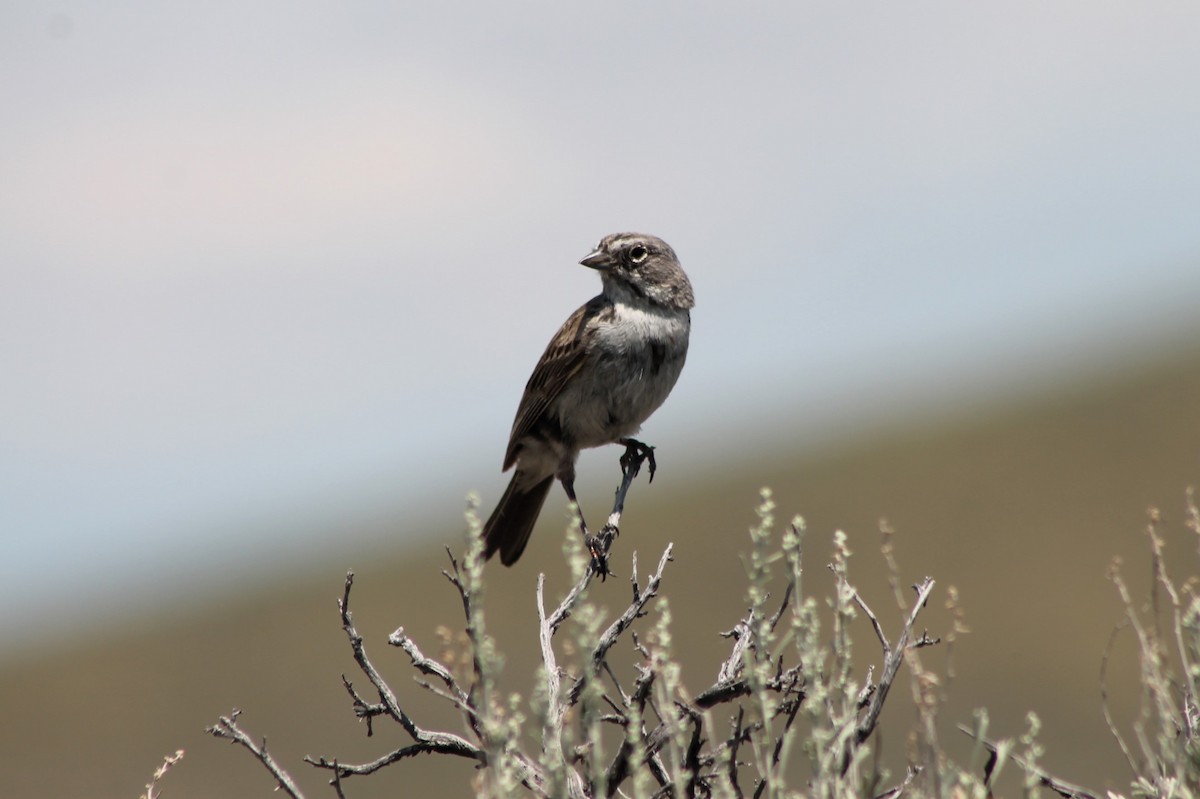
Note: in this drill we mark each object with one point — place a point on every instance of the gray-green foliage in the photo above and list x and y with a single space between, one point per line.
789 714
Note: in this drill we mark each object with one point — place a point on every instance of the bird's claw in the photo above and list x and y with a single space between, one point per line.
635 453
598 546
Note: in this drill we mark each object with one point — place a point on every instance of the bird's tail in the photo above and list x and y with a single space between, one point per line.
510 524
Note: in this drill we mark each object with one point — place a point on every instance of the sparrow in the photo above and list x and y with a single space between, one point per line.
609 366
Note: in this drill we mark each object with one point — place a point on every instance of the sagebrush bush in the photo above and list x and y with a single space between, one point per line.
787 715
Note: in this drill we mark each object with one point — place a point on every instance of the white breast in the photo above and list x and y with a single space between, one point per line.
634 361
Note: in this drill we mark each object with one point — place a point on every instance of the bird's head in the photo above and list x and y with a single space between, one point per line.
643 266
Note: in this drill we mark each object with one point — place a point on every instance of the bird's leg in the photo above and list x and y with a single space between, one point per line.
635 453
567 478
594 544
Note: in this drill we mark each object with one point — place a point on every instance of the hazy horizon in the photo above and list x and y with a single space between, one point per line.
264 263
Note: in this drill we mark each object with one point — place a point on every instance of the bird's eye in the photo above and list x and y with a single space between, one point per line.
637 253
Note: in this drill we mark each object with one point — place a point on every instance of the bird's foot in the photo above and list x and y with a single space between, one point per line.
598 546
635 453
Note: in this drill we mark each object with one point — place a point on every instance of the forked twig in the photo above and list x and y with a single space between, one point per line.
227 728
1061 787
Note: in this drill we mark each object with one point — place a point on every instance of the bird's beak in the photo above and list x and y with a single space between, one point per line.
598 259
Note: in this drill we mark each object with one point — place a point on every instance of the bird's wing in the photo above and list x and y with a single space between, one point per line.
564 357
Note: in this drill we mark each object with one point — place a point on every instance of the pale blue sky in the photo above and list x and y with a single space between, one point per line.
267 266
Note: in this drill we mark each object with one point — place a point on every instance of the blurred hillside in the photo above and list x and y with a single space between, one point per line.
1021 509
